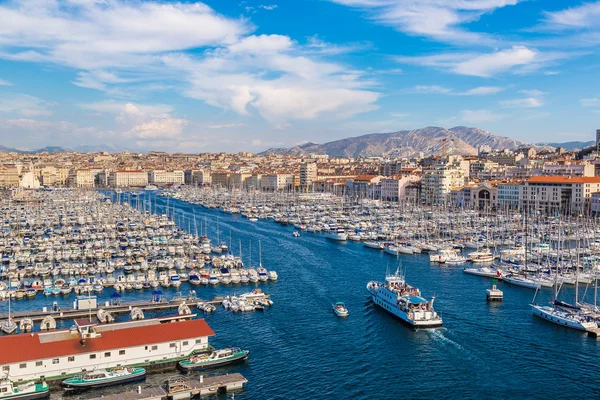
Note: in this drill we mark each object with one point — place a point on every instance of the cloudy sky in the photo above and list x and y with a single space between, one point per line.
247 75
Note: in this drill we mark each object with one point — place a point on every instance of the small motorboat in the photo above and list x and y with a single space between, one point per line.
8 326
296 234
105 377
26 391
215 359
340 309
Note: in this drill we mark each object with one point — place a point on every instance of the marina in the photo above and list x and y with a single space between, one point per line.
311 281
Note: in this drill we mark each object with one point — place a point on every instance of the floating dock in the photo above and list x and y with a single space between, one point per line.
182 387
121 308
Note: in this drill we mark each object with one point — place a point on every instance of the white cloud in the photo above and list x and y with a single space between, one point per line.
5 83
479 116
429 89
528 102
159 127
24 105
489 64
437 19
262 44
482 91
535 100
516 59
116 43
225 126
116 107
592 102
270 7
582 16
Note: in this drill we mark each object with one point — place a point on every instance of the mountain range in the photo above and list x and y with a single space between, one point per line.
59 149
408 143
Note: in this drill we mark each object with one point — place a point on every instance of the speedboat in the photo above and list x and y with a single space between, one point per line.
215 359
105 377
340 309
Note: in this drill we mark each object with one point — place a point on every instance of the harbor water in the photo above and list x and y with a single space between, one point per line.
301 350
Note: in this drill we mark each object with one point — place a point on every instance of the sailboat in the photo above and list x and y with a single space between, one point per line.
564 316
8 325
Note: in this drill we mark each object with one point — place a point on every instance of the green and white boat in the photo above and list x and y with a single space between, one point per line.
26 391
105 377
217 358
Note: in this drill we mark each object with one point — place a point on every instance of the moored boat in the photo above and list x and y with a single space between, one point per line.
215 359
105 377
26 391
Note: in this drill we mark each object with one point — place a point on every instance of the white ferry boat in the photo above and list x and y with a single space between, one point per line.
151 188
404 301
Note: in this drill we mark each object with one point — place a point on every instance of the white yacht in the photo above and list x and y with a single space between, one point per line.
338 234
572 320
447 256
404 301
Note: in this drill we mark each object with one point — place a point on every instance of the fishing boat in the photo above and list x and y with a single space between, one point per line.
404 301
217 358
340 309
105 377
26 391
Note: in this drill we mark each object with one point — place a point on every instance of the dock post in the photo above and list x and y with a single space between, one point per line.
201 378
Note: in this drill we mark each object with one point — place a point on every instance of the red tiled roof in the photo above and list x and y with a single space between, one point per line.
563 179
365 177
27 346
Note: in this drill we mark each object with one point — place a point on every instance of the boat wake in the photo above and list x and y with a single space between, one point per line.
438 334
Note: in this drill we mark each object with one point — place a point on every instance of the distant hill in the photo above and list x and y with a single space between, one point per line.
459 140
570 145
59 149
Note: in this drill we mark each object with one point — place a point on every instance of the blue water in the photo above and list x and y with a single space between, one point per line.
301 350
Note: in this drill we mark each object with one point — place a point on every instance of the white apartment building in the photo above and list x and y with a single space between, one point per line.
568 169
276 182
128 178
308 175
162 177
394 189
559 194
438 181
81 178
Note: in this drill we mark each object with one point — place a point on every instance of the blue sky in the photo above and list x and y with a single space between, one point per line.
248 75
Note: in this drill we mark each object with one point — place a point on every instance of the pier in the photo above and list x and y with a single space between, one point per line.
182 387
121 308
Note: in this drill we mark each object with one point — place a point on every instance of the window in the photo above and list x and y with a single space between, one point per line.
92 356
172 345
107 354
185 343
154 347
71 359
198 341
5 368
55 361
24 365
121 352
39 363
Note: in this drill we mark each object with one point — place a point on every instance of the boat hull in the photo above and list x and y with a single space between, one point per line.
105 383
213 364
29 396
403 316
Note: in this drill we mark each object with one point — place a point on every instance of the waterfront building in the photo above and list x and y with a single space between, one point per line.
128 178
437 182
81 178
277 182
163 177
394 188
509 195
59 354
9 176
220 179
559 194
